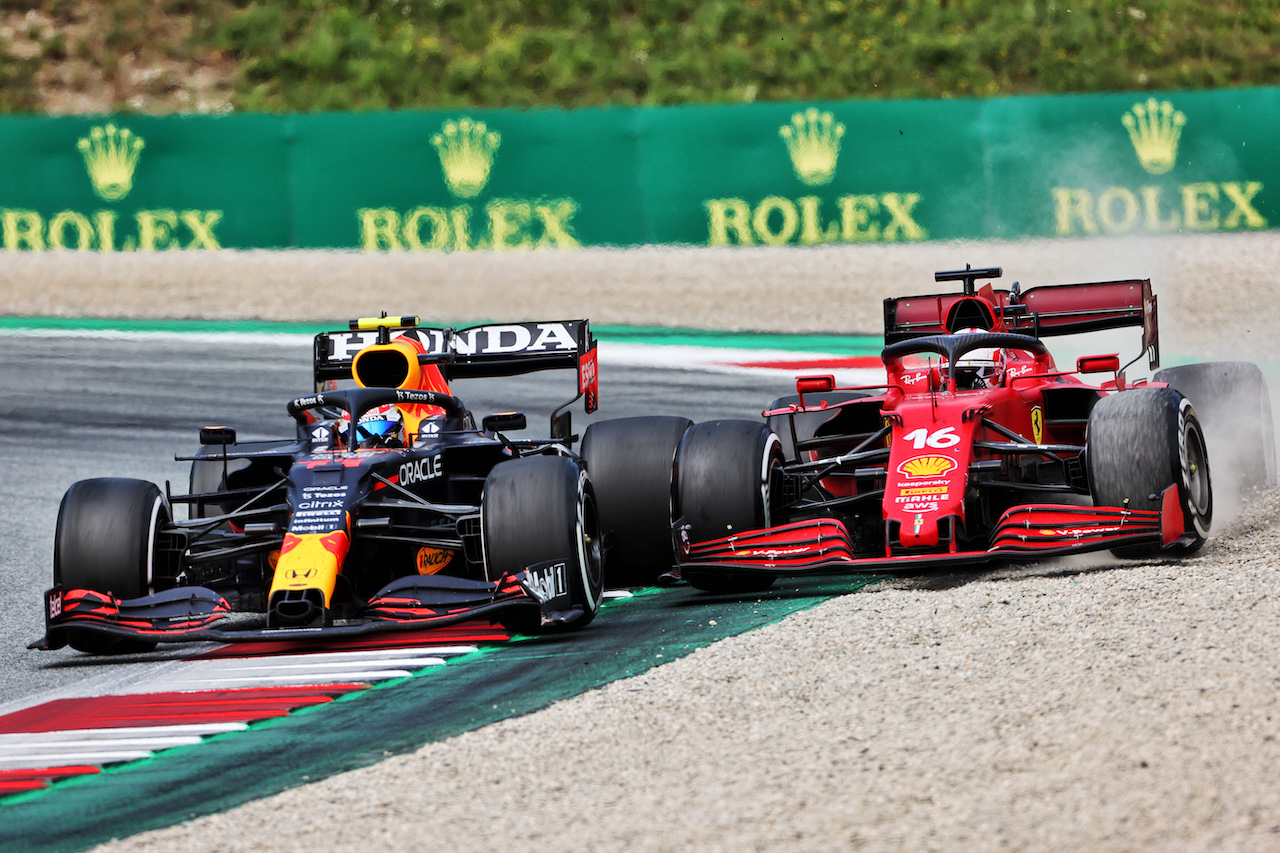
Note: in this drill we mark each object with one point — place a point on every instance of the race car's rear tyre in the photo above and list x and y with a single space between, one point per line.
807 424
727 475
1139 443
630 461
1232 402
541 508
106 542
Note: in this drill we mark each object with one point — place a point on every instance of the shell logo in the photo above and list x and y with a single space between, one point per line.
926 466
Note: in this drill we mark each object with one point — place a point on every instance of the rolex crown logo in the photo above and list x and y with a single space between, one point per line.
111 154
1155 128
466 150
813 141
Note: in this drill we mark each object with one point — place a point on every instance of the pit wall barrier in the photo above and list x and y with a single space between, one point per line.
737 175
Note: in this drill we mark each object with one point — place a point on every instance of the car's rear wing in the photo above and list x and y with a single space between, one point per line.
1061 309
492 349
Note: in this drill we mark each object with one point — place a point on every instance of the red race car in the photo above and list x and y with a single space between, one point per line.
977 448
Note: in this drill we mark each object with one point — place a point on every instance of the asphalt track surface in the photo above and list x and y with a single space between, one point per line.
90 406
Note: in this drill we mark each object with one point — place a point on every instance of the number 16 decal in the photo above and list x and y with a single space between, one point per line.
938 439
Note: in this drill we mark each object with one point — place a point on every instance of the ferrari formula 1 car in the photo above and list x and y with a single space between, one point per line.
388 509
977 448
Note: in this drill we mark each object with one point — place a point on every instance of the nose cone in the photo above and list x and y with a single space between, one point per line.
921 531
311 561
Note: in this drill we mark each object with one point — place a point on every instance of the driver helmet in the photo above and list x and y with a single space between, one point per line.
983 367
381 426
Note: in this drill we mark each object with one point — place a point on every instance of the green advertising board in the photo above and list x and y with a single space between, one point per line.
734 175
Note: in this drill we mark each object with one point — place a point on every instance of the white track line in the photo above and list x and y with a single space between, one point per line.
310 678
196 730
70 759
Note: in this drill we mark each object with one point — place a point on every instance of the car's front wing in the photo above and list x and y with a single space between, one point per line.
1035 531
194 614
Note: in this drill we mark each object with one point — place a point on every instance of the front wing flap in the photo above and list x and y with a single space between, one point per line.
823 545
198 614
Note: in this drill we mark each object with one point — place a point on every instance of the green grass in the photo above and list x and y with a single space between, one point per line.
308 55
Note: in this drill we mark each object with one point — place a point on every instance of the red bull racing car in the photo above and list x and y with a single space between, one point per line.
389 508
978 447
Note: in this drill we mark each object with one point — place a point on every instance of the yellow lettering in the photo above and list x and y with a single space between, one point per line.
1242 198
1151 206
554 216
106 227
1198 210
508 221
725 215
811 231
379 229
787 229
855 218
155 229
900 207
23 228
200 223
1128 214
439 228
78 221
1072 205
460 216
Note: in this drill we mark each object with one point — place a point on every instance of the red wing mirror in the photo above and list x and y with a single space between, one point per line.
1098 364
815 384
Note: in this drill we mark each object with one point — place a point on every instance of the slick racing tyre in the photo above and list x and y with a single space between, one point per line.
1139 443
1231 400
106 542
630 462
807 424
727 475
540 508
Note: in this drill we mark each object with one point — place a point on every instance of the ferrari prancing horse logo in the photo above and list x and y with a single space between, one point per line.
1037 425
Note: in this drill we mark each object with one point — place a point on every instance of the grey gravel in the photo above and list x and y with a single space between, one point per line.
1087 705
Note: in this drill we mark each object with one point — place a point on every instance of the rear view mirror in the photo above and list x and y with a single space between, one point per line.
1098 364
504 422
815 384
222 435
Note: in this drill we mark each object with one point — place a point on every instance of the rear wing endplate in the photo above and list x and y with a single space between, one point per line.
1060 309
489 350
